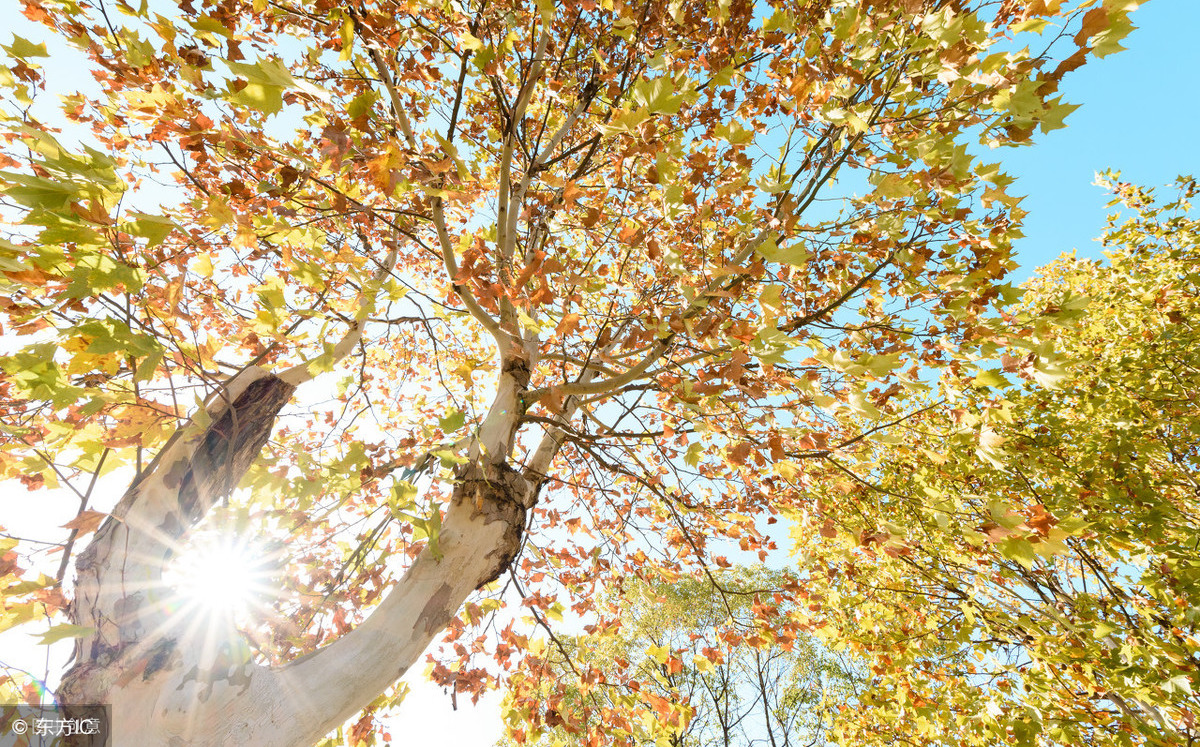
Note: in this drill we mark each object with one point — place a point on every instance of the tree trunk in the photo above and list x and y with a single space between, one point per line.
171 682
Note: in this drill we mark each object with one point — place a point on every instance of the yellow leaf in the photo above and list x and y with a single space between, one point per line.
658 653
203 266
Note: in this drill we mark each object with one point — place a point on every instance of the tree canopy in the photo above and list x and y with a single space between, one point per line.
479 302
1021 564
1015 566
714 668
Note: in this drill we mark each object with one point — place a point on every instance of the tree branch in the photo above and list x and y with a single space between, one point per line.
303 372
451 264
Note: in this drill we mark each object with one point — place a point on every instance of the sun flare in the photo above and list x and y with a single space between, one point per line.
222 576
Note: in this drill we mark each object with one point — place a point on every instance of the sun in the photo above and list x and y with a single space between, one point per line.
221 575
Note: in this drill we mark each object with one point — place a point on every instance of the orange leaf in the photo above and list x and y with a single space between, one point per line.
543 295
1071 63
567 325
571 193
1094 21
995 533
86 522
738 454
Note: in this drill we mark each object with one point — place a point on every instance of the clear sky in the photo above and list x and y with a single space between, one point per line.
1139 114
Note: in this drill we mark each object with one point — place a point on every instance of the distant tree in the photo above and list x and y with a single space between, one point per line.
591 285
1021 567
713 664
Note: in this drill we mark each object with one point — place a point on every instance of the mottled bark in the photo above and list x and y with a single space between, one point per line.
171 682
119 590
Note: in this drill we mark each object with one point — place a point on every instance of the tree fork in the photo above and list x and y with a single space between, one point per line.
167 681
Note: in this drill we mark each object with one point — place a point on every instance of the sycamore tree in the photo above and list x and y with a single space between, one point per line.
1020 567
473 301
713 666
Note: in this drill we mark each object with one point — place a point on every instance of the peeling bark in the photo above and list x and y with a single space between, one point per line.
172 683
499 494
480 536
119 590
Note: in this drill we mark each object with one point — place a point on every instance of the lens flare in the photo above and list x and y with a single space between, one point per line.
221 576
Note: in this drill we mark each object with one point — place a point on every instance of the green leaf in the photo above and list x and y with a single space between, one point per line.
452 421
1020 550
658 95
780 21
346 34
1049 374
57 633
153 228
470 42
881 365
148 365
361 104
267 99
38 192
795 254
20 614
448 458
733 133
22 48
1179 684
266 71
991 378
404 495
1034 25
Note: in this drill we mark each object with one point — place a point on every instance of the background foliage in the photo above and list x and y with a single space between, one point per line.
1021 564
736 245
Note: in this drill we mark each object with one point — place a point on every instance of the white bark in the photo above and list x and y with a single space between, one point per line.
172 679
298 704
118 589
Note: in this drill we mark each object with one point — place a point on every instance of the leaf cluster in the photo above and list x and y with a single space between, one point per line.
1021 566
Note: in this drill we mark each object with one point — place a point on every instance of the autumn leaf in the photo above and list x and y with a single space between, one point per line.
86 522
60 632
600 296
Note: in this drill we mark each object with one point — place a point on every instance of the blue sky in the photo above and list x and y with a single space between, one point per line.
1139 114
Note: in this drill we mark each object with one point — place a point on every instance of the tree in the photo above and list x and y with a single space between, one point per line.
1032 578
571 275
714 667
